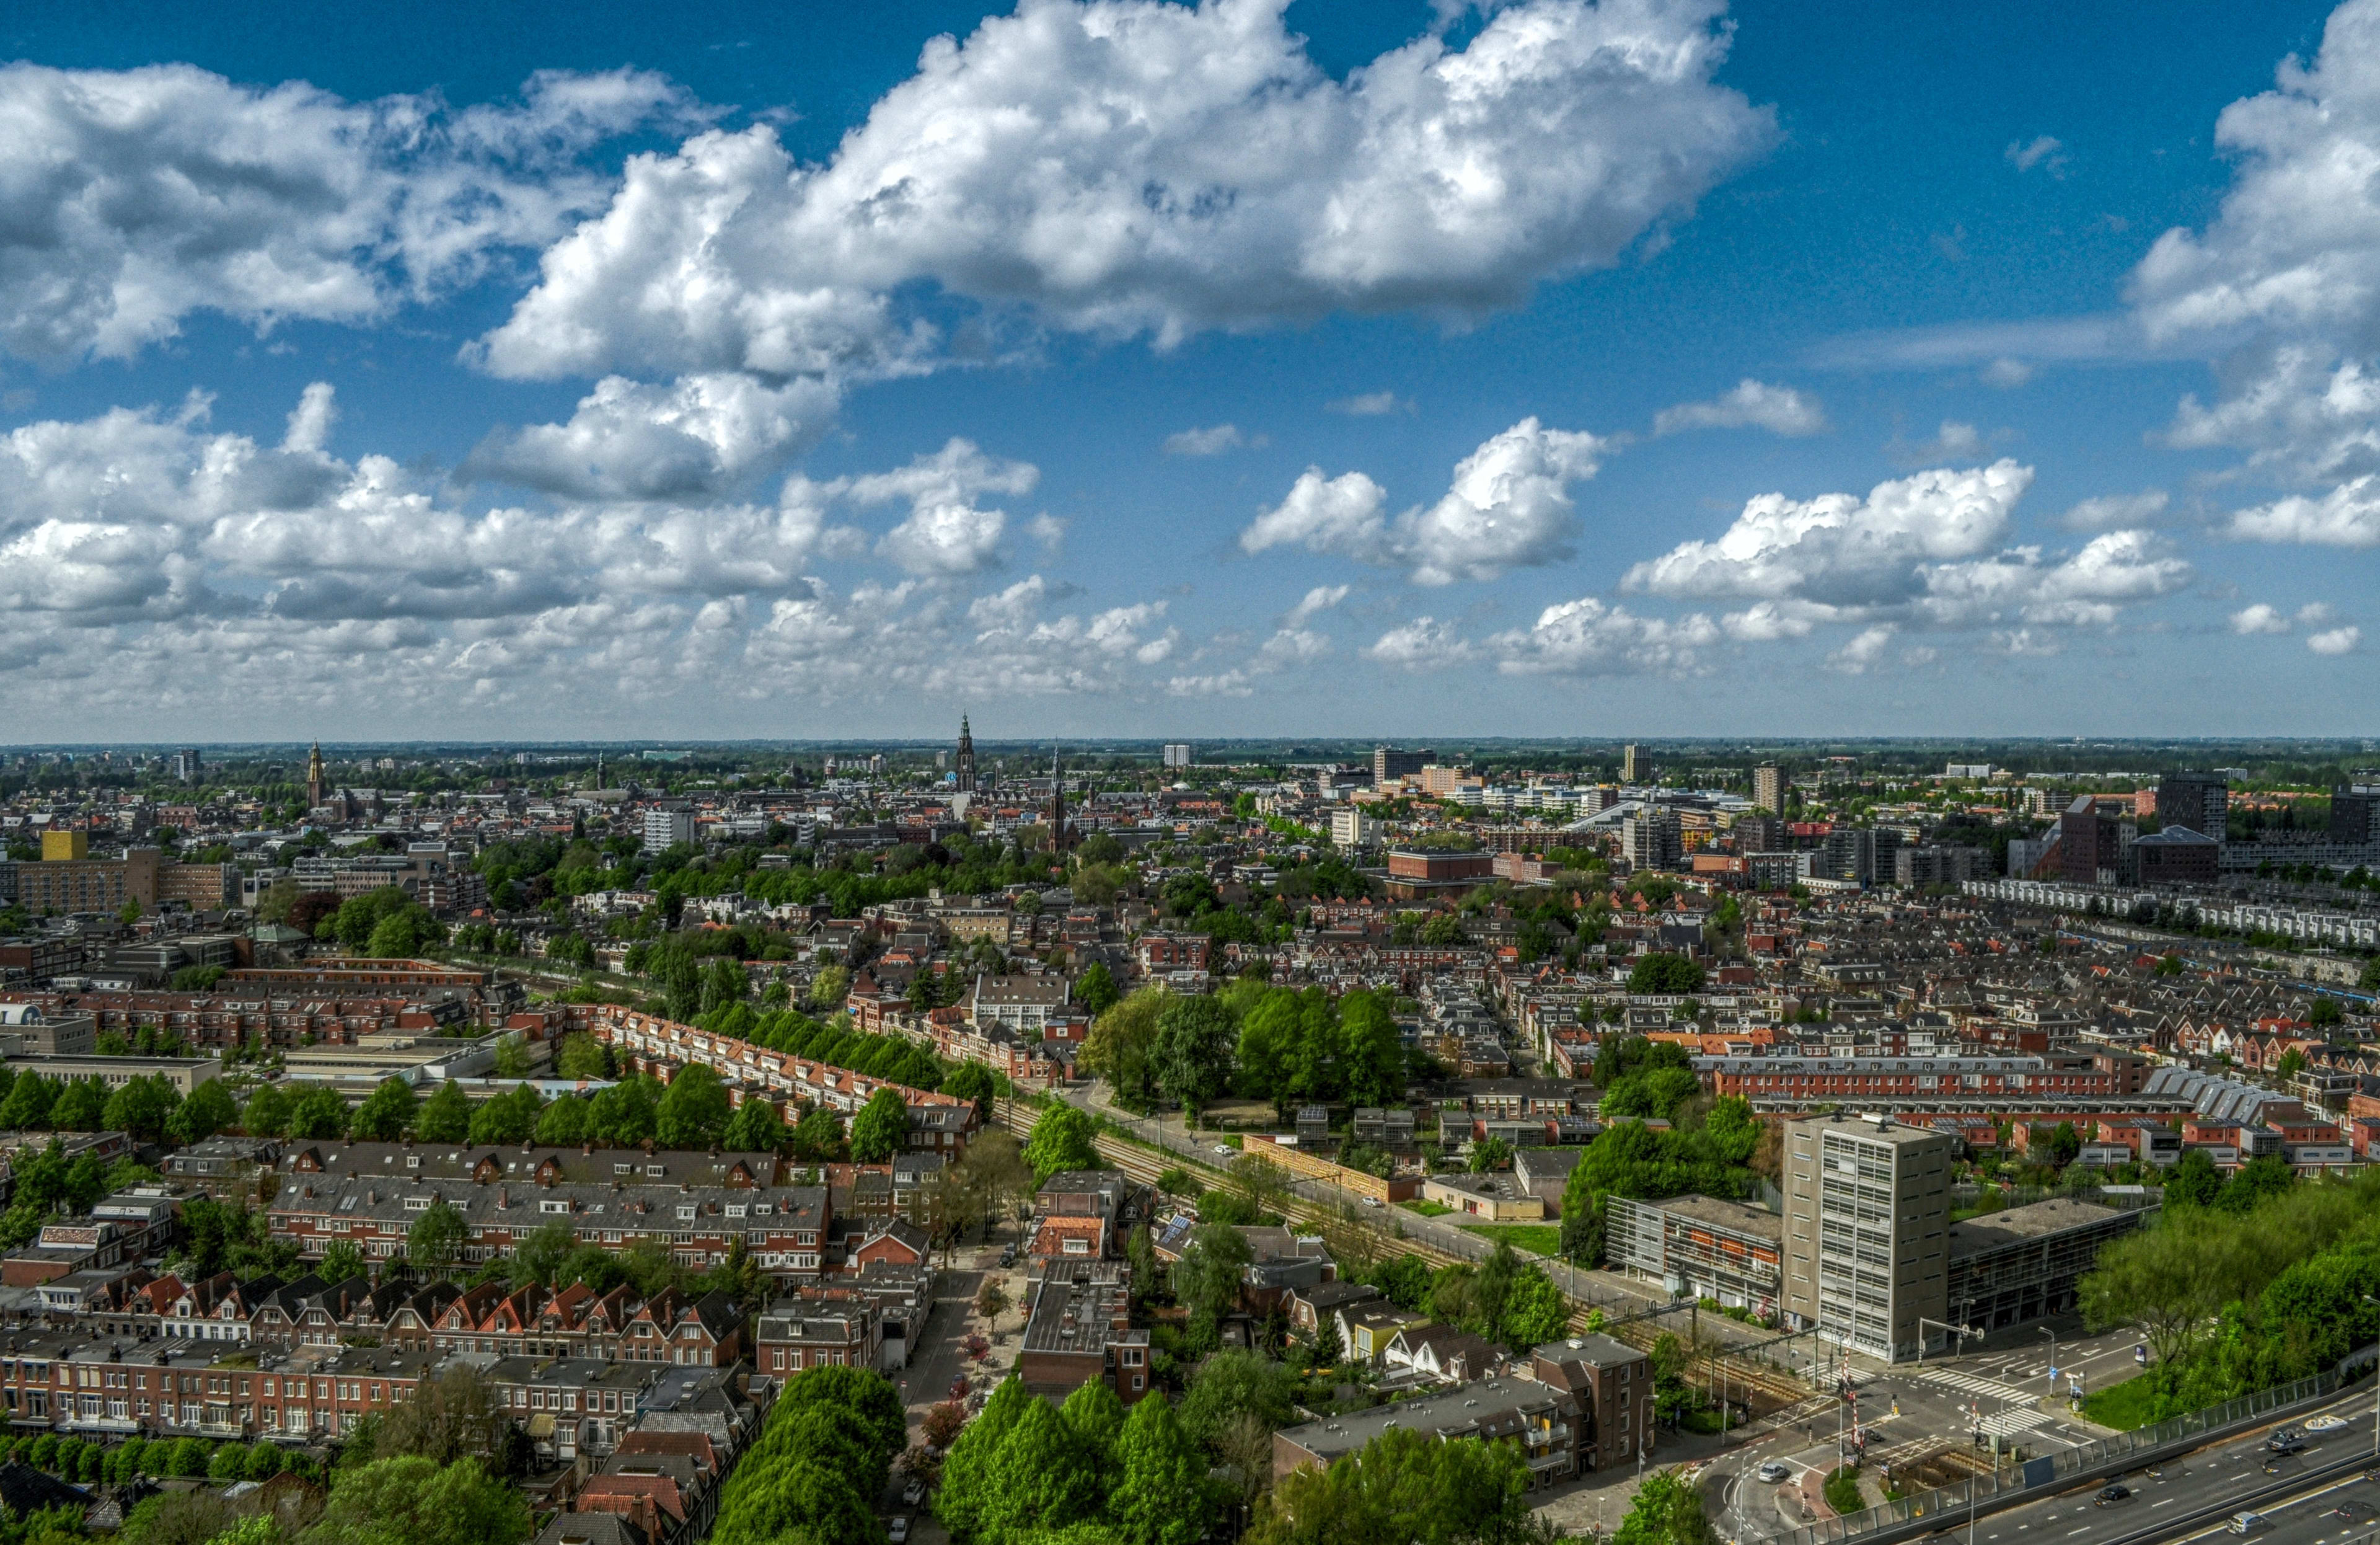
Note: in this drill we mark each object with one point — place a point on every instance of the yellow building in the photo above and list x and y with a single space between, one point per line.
65 846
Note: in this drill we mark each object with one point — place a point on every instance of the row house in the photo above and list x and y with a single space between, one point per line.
217 1019
949 1035
573 1408
783 1230
484 1164
647 1043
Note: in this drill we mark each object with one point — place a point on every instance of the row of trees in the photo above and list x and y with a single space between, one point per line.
1708 1155
2242 1288
1265 1042
819 1463
1023 1471
151 1108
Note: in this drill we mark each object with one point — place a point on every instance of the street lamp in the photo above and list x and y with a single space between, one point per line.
2053 1355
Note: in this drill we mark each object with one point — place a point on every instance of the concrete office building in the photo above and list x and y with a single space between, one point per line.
665 827
1177 754
1651 839
1635 765
1389 763
1867 1218
2200 801
1768 787
2354 814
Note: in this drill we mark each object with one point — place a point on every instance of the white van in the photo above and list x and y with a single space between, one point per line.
2247 1523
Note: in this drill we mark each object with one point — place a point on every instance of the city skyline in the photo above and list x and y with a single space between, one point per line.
1655 369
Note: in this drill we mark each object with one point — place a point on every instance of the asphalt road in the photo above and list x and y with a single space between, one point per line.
2313 1508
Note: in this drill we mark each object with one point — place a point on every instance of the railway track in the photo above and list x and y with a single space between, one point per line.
1739 1378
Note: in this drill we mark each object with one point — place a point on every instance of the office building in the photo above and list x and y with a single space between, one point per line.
2354 814
1725 1251
1652 839
187 766
1389 763
1636 767
666 826
1768 787
2028 1262
2200 801
67 885
1352 829
2090 844
1177 754
1940 864
1867 1218
2177 856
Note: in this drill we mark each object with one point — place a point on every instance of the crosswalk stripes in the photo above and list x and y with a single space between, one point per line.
1975 1384
2017 1418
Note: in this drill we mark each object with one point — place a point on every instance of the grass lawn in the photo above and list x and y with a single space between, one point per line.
2122 1406
1543 1239
1426 1209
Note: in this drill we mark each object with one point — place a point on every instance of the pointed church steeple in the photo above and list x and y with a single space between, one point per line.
966 757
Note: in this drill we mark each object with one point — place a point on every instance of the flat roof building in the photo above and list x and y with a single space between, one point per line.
1868 1214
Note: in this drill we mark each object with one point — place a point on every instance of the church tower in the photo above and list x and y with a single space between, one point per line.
966 757
1060 838
318 785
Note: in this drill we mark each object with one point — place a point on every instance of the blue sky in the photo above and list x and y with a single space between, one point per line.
1542 370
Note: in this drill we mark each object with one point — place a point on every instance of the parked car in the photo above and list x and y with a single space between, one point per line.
1227 1151
912 1493
897 1531
1776 1470
2113 1494
1372 1202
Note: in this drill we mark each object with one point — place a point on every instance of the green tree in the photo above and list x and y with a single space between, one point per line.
2194 1181
880 1129
1195 1040
385 1113
1094 1414
209 1110
27 1109
1036 1479
266 1114
694 1110
818 1137
968 1472
1372 1053
412 1500
1060 1140
1401 1489
582 1056
318 1114
1667 1511
1665 973
143 1107
446 1116
829 988
507 1118
1095 989
756 1128
1213 1268
1121 1047
434 1243
82 1105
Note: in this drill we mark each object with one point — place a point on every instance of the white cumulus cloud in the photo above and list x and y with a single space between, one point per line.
135 198
1507 507
2338 640
1752 404
1124 168
2114 511
2259 618
1586 637
2348 515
